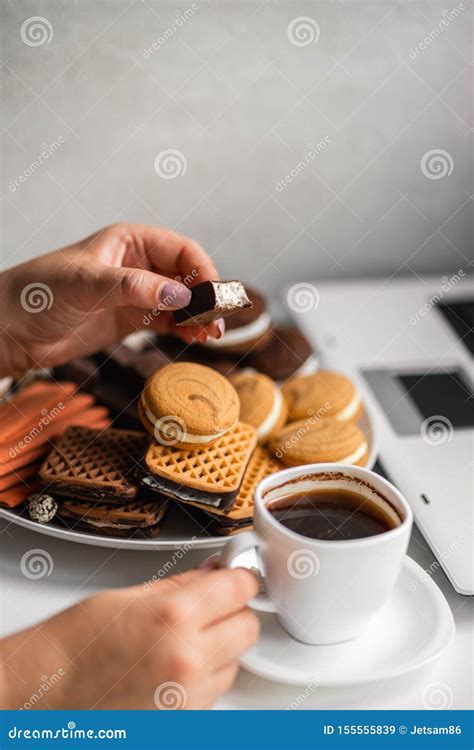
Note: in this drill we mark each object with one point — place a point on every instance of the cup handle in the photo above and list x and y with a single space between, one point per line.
236 546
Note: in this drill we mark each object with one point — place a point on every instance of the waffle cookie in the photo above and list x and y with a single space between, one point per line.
188 405
94 464
261 402
320 441
131 518
210 475
326 394
30 420
261 465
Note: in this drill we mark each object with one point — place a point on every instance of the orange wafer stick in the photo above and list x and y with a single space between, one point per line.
17 494
37 419
9 480
20 461
28 404
37 432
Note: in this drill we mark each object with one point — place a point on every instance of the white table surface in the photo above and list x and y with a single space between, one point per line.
80 570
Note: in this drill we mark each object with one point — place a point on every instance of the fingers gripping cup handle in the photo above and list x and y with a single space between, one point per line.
236 546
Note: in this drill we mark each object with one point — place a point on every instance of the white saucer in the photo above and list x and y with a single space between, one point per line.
413 628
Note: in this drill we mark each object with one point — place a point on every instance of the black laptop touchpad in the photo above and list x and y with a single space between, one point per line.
444 393
460 316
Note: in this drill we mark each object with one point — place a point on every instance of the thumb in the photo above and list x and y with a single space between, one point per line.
133 287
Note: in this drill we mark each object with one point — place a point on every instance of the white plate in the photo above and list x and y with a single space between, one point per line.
179 527
413 628
178 530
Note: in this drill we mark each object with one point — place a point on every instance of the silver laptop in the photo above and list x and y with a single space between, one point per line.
409 343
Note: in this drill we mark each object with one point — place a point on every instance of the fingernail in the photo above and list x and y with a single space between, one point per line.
176 295
220 322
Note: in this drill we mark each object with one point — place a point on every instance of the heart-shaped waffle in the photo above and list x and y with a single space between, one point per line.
94 463
211 475
261 465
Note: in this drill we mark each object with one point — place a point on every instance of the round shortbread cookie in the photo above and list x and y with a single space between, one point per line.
323 394
188 405
261 402
320 441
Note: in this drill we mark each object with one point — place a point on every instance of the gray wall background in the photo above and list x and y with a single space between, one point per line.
243 104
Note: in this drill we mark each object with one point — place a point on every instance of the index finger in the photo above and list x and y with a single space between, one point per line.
176 255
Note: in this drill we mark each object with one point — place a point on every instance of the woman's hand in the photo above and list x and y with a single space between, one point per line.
84 297
171 644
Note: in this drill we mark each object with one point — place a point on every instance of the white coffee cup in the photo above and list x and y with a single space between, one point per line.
324 591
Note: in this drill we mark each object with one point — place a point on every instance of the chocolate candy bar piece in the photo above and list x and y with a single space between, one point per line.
211 300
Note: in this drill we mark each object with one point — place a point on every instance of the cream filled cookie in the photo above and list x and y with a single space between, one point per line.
188 405
261 402
320 441
323 394
285 353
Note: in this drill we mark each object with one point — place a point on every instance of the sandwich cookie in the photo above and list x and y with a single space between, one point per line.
137 518
95 464
287 352
261 402
247 330
261 465
188 405
210 475
211 300
323 394
320 441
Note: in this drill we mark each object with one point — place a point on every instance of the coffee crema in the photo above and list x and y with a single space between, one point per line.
334 514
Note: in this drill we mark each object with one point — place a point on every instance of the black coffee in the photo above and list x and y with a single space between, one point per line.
334 515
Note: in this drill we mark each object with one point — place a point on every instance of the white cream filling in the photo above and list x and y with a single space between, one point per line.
184 437
104 524
240 335
307 368
356 456
272 417
351 408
